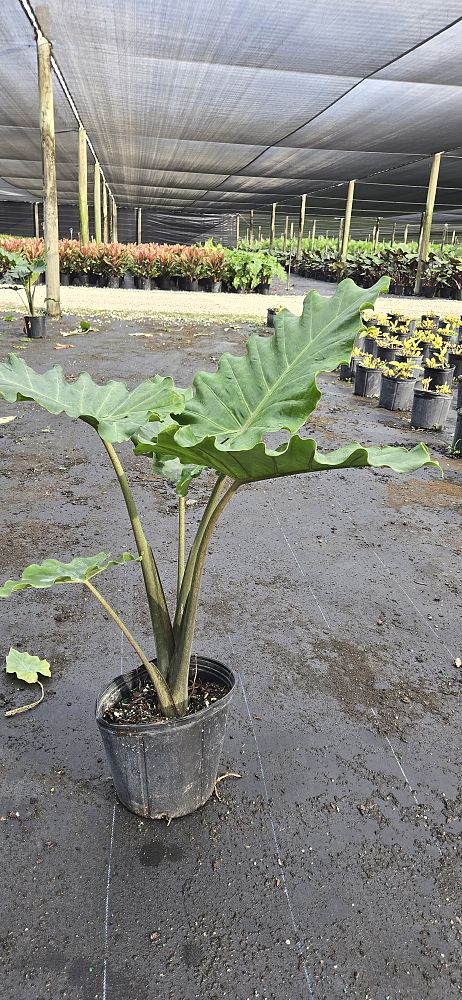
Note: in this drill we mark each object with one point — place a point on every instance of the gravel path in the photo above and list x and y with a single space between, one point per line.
136 304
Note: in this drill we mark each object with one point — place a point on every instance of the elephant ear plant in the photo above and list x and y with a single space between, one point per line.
220 426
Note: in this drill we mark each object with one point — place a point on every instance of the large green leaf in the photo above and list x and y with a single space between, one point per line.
299 455
115 411
40 576
273 386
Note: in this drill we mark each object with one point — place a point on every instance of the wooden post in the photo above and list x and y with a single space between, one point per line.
347 220
83 186
50 194
105 215
251 226
114 221
139 226
301 225
272 227
406 234
427 220
97 200
36 219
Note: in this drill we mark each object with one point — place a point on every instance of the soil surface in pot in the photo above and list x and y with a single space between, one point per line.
142 705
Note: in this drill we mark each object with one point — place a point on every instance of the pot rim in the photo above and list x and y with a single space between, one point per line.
140 728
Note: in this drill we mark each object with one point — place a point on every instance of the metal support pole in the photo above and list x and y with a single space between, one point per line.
301 225
444 238
105 215
427 220
139 235
36 220
251 226
83 187
272 227
313 232
50 194
340 232
114 221
97 201
347 220
237 230
286 234
453 237
259 234
393 233
406 233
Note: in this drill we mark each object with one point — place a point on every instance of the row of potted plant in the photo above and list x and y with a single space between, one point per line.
208 267
408 365
366 263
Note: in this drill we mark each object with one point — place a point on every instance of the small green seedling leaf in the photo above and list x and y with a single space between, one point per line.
27 668
85 326
9 318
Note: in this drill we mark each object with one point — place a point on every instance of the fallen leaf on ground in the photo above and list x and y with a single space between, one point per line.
140 334
63 347
458 662
6 420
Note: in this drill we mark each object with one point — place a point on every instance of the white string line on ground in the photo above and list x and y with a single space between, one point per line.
280 862
111 842
438 637
302 572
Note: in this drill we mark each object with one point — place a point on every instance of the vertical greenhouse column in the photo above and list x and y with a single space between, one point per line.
301 225
251 226
272 227
405 234
105 215
427 220
341 227
97 201
393 233
36 220
347 221
83 186
114 221
237 230
139 226
50 194
453 237
313 232
286 234
259 234
444 238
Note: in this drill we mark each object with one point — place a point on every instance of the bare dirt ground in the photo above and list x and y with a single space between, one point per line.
332 867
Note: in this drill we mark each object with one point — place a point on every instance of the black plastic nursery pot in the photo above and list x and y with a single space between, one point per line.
457 439
459 394
388 353
370 346
128 280
345 373
64 279
35 327
113 281
439 376
166 769
455 360
429 410
367 381
396 394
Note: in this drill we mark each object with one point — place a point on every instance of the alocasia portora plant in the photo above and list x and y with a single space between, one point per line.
220 425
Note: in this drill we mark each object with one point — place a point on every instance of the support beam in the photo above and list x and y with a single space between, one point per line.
139 226
105 215
405 234
83 187
36 220
272 227
50 194
347 220
427 220
301 225
114 221
97 200
251 226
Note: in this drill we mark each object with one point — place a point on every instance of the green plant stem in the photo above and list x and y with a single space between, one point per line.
179 667
188 573
162 689
161 623
181 542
